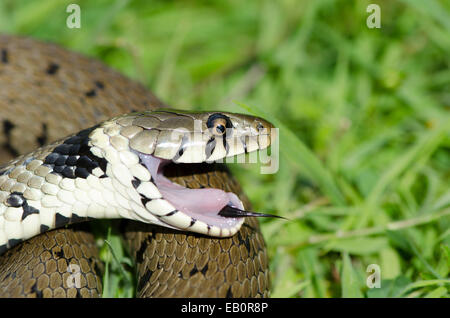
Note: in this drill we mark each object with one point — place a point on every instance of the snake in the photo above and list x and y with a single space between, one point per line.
125 155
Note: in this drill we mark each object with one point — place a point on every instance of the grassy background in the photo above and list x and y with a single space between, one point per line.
363 115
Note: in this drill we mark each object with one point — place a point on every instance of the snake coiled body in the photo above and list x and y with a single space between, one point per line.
47 93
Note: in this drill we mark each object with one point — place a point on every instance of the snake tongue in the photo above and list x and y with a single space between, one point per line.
232 212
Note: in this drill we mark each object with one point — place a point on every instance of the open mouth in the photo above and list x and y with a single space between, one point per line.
203 204
220 210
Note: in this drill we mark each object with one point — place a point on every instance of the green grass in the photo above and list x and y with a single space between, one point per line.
363 115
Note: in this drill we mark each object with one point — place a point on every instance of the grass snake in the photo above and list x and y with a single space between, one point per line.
123 157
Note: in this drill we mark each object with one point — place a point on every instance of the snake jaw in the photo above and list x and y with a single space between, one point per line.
196 210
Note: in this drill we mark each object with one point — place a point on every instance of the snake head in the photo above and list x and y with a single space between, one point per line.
189 137
158 138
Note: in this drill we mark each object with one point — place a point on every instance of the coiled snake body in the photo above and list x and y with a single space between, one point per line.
118 166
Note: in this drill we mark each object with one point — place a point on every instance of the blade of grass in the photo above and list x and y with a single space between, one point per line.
431 8
420 152
393 226
350 286
422 283
106 281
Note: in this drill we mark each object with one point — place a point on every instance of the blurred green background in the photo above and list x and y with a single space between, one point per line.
363 115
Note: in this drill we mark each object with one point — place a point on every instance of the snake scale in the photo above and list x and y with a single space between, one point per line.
46 93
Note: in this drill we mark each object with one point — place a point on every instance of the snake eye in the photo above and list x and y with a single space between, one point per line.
218 124
220 129
259 126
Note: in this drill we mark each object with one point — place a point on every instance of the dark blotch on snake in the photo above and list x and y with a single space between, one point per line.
99 84
225 144
144 199
52 68
39 294
73 157
71 160
28 210
13 242
60 253
180 151
75 218
61 220
4 56
7 127
135 182
229 293
16 199
58 169
193 271
62 149
36 291
85 162
51 158
97 269
44 228
204 269
210 146
140 252
144 279
81 173
69 172
42 139
61 160
91 93
246 242
172 213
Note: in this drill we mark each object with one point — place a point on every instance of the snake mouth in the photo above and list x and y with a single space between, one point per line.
203 206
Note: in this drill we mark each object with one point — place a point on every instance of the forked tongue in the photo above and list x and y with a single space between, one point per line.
232 212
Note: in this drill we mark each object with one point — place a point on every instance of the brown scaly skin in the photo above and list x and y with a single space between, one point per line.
40 267
46 93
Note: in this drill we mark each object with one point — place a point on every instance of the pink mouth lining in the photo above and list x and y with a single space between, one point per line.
200 204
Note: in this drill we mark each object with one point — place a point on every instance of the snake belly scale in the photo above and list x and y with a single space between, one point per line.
117 168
